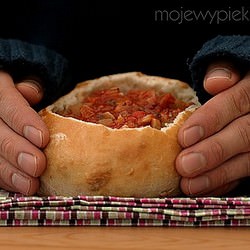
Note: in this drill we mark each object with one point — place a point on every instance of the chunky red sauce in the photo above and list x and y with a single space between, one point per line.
136 108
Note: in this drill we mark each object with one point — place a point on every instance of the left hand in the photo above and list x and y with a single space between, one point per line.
216 137
23 135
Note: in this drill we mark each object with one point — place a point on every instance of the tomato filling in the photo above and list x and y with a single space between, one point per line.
134 109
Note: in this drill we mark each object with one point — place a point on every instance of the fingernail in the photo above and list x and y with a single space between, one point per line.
192 163
198 185
21 183
34 135
32 85
192 135
28 163
219 73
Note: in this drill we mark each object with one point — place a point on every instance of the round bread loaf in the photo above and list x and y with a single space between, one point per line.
85 158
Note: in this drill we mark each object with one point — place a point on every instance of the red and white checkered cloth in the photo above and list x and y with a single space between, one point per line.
18 210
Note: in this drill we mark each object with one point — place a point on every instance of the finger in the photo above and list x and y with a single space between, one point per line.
218 179
31 91
14 180
215 149
224 190
20 152
220 191
220 75
216 113
16 112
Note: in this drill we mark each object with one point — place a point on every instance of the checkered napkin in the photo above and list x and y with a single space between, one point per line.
18 210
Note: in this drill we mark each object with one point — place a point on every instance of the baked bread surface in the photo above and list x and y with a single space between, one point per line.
84 158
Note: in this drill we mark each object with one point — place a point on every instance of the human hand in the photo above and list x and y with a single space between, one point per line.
216 137
22 136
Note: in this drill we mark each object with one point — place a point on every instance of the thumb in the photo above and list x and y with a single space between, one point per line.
31 90
220 76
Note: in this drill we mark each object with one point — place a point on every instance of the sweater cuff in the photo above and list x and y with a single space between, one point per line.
235 49
21 59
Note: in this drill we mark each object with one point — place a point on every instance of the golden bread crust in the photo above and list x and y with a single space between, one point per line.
91 159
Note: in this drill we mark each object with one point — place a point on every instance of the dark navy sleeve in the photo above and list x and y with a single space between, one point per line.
235 49
21 59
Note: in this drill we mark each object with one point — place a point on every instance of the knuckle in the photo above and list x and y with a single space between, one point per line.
223 177
217 152
4 97
241 100
211 116
12 113
5 172
243 130
14 117
7 146
2 167
213 120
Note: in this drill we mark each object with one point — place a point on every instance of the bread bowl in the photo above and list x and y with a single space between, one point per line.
86 158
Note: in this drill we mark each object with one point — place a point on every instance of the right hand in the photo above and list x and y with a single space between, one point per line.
22 136
216 137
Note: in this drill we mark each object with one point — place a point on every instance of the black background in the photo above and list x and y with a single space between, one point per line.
105 37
